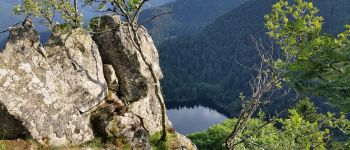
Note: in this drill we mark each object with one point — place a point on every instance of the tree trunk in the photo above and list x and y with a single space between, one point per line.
76 15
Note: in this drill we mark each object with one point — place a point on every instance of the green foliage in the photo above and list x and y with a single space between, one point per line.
301 134
94 143
47 9
2 146
214 137
130 9
314 62
290 24
126 147
157 144
293 132
308 110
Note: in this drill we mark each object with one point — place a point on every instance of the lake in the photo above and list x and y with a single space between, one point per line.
190 117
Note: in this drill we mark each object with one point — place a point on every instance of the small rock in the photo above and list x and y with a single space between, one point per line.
126 127
111 78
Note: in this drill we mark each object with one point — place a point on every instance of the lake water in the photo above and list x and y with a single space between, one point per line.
192 118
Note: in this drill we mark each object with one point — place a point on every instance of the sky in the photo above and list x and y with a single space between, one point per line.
7 18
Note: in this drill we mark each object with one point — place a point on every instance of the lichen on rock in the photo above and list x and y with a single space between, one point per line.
48 89
136 83
49 92
120 127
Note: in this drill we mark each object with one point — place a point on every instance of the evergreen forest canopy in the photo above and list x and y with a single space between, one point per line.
184 17
313 62
210 65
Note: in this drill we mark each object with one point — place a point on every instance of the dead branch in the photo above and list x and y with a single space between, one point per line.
154 17
265 83
8 30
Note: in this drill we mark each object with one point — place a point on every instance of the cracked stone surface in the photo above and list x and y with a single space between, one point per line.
50 89
135 80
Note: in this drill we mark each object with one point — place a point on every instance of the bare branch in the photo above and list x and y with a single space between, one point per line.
154 17
265 82
7 30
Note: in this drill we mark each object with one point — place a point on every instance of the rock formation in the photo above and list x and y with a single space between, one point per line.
77 87
135 80
50 89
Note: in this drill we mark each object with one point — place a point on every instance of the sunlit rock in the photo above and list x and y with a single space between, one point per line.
49 90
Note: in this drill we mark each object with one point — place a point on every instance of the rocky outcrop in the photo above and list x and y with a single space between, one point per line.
50 89
136 85
74 58
62 94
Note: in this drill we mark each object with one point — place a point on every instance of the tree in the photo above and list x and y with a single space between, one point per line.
265 86
308 110
292 132
314 62
48 9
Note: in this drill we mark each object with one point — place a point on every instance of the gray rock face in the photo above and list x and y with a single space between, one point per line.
122 128
49 92
50 89
111 77
117 49
74 58
136 84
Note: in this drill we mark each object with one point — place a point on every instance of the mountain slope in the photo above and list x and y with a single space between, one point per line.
186 16
204 65
156 3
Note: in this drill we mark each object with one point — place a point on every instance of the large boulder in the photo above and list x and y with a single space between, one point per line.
116 47
74 58
136 84
50 90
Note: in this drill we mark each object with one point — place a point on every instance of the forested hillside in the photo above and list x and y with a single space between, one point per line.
186 17
156 3
208 64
